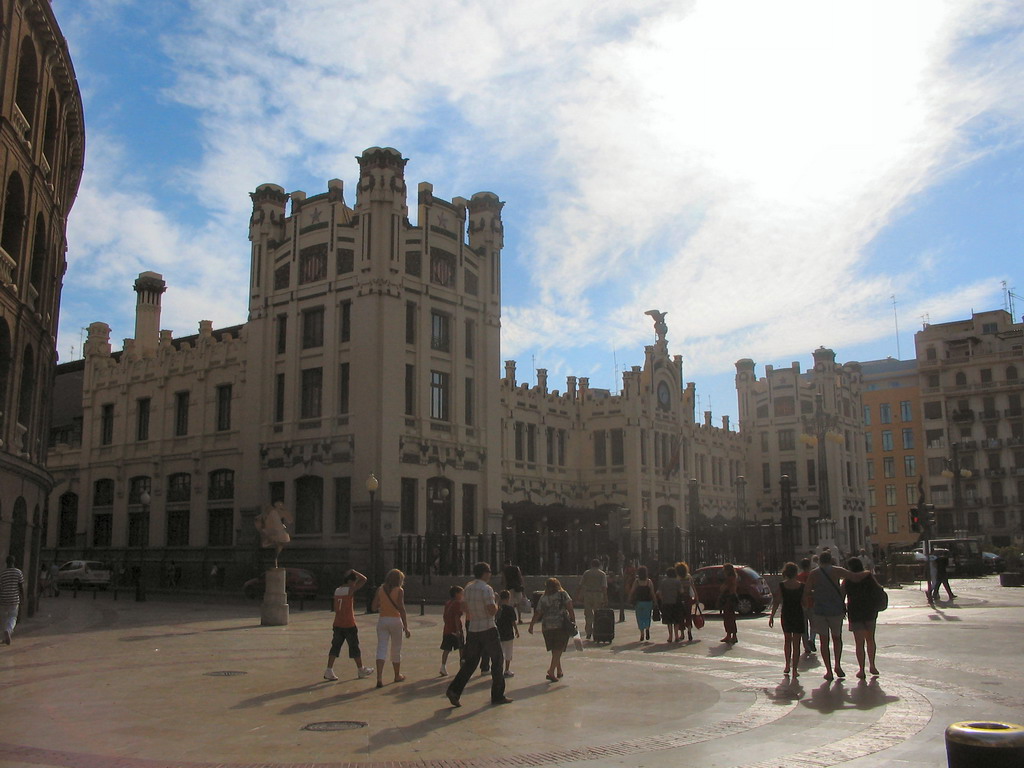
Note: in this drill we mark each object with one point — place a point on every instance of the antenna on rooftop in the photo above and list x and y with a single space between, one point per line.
896 323
925 320
1008 297
615 371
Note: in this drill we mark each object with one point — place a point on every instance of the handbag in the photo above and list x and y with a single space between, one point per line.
567 623
656 613
880 600
698 617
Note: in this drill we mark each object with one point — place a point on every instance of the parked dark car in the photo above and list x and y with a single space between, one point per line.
993 563
754 593
298 583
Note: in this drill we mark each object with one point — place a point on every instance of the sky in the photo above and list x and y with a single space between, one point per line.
776 176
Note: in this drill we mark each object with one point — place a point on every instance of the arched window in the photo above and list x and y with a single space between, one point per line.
50 130
28 81
103 493
961 379
68 520
13 226
222 485
179 487
28 388
38 266
309 504
1011 373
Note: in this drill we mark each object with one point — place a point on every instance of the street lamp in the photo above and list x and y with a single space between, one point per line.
820 427
694 510
372 484
957 473
140 586
741 497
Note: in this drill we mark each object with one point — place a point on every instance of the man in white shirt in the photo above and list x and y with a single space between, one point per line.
12 591
481 638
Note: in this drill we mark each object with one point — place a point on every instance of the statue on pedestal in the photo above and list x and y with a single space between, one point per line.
660 326
273 525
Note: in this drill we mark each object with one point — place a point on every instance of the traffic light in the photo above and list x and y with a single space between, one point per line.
915 520
929 511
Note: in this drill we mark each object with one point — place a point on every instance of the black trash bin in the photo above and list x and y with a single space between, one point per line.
991 744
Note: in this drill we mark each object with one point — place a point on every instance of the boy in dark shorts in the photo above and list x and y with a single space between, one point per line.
345 625
508 630
453 638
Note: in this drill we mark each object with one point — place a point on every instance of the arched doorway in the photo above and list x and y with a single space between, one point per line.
439 506
19 532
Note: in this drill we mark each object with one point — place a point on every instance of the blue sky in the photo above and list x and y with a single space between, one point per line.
768 173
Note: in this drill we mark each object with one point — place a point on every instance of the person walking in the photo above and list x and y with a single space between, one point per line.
12 592
392 623
860 607
808 635
643 595
512 575
669 598
728 600
555 611
593 591
824 597
941 577
508 628
687 599
453 637
481 638
345 629
789 597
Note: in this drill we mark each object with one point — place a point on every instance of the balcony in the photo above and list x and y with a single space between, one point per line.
44 166
962 416
967 445
995 472
7 268
1019 471
1014 413
990 415
1014 442
21 124
992 442
1000 501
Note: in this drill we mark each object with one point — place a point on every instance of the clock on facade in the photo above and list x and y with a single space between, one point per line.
664 396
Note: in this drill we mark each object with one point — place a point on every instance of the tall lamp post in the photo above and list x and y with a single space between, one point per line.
957 473
694 511
819 427
372 484
140 583
786 499
741 498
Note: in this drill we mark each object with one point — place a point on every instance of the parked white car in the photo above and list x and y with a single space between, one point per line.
84 573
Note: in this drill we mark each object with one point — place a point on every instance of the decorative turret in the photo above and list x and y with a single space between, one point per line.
98 342
268 203
382 178
149 287
485 227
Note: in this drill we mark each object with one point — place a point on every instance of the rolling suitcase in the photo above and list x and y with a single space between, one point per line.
604 625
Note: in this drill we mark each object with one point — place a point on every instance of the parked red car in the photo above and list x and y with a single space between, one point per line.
754 593
298 582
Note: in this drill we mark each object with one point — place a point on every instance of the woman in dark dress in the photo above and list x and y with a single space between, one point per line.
789 596
728 601
860 609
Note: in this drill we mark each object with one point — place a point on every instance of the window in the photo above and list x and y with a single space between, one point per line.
179 487
936 465
867 415
986 375
311 405
787 441
764 442
889 466
933 410
908 439
873 523
869 442
788 468
410 389
600 446
890 495
440 331
410 322
870 470
345 332
342 504
470 339
442 268
885 413
518 440
136 487
220 528
181 414
561 447
906 413
276 490
221 485
887 444
66 536
1011 373
309 504
439 392
930 354
470 416
279 398
282 334
531 443
107 424
282 277
223 407
142 419
408 505
468 508
892 521
103 493
910 466
102 529
812 476
785 406
766 475
911 491
618 451
960 380
343 388
177 527
313 263
872 497
549 444
312 328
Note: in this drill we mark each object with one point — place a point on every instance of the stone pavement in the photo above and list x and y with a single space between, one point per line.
176 682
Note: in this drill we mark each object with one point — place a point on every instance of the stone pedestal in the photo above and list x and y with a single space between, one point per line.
274 610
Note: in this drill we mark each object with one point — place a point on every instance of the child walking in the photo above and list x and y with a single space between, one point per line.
345 625
508 628
453 638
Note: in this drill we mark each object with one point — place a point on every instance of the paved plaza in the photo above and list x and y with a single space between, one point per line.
196 681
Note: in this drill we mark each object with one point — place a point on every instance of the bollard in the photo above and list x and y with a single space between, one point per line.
992 744
76 591
423 606
622 613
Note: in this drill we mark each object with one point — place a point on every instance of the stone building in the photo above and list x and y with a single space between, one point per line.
971 390
42 141
894 446
807 427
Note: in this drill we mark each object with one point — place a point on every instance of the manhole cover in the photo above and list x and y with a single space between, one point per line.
225 673
335 725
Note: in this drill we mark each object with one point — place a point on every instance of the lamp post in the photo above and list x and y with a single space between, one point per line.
372 484
741 498
819 427
786 504
957 473
140 583
694 510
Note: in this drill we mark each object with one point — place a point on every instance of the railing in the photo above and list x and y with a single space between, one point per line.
21 123
1013 413
967 415
989 415
992 442
7 268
